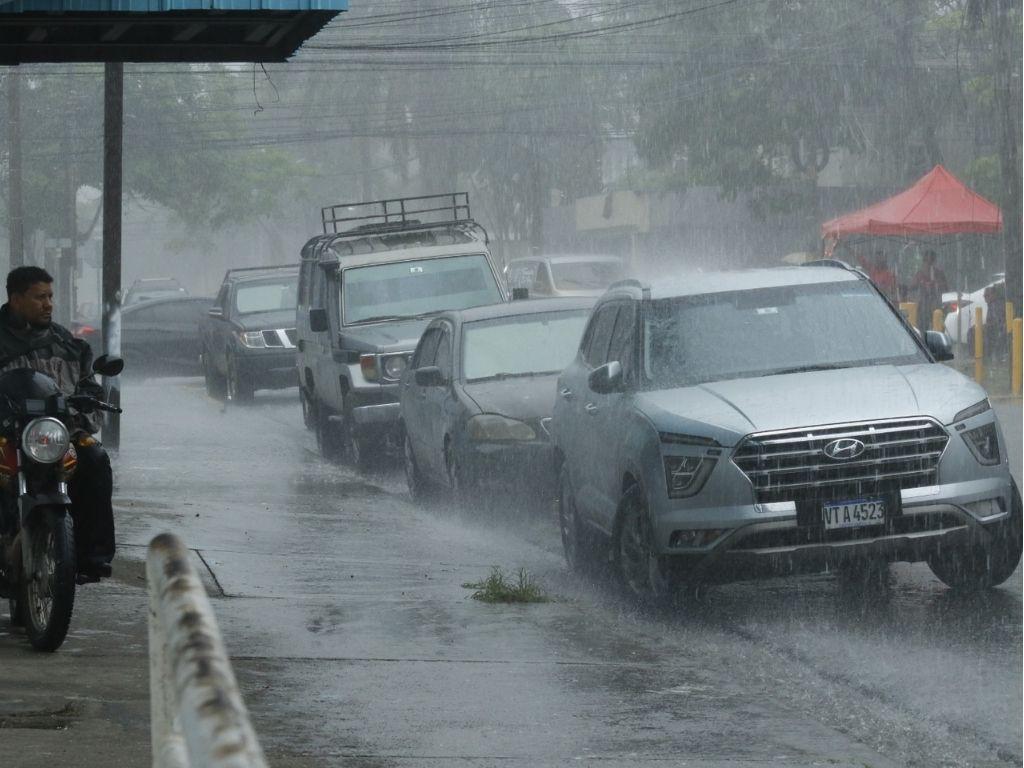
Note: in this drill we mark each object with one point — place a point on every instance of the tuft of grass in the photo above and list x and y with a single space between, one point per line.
502 588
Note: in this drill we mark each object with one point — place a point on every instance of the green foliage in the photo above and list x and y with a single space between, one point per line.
502 588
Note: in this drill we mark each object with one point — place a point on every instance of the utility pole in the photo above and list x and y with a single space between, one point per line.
1007 74
113 127
16 215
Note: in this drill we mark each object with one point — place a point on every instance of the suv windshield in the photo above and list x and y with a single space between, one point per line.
268 296
413 288
696 339
520 346
585 275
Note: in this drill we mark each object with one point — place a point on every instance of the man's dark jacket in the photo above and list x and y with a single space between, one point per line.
53 351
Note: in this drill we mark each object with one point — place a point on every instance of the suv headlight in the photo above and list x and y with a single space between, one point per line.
393 366
984 443
252 339
491 426
686 475
45 440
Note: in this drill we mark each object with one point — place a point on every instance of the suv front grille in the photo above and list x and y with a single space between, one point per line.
791 465
281 339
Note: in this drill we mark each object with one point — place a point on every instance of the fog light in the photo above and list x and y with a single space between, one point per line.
986 508
696 538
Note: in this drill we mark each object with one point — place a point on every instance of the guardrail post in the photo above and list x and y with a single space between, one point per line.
198 716
1017 357
979 346
938 321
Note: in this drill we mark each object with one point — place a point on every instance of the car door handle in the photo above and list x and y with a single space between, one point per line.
565 393
591 409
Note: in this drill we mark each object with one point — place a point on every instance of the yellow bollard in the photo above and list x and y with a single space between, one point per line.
979 346
1016 356
938 321
1009 316
909 310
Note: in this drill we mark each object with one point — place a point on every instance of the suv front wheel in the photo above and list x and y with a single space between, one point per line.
983 566
644 573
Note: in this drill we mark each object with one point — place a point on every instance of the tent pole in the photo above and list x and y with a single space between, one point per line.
959 300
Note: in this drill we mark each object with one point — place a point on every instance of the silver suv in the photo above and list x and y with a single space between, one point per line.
734 425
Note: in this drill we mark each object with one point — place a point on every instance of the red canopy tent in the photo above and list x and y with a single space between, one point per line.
938 204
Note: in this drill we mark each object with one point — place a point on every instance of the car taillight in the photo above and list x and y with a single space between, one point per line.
85 331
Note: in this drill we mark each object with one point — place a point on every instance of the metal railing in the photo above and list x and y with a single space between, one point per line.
197 714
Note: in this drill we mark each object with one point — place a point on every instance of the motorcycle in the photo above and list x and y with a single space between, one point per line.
38 569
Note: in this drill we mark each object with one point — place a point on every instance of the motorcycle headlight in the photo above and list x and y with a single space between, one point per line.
45 440
984 443
491 426
394 366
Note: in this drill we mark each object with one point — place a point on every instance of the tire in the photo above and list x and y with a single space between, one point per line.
358 452
308 410
643 573
239 389
458 484
16 613
419 489
980 567
215 387
328 441
579 546
48 580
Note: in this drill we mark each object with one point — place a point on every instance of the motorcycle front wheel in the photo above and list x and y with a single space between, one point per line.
48 578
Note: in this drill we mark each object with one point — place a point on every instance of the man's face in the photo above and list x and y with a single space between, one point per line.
35 305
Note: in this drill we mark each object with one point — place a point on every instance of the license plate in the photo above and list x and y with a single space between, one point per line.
853 514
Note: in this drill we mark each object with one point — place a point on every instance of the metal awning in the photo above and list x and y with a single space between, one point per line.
34 31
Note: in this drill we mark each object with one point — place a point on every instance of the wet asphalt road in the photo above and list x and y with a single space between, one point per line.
357 645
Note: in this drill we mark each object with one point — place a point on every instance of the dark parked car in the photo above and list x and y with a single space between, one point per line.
477 399
160 336
248 336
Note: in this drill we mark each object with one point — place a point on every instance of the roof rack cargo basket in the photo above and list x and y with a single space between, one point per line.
397 214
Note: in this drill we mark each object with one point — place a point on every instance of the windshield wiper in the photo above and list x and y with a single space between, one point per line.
807 368
382 318
506 375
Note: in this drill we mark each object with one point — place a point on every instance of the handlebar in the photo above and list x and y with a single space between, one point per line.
88 404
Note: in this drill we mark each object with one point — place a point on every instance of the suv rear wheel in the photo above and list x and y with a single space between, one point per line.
984 566
645 574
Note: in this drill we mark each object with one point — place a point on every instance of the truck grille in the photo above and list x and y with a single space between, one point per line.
791 465
280 338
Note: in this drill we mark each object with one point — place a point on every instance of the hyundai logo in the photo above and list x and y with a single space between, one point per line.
844 449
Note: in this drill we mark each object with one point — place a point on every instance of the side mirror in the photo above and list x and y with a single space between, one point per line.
607 378
939 344
215 312
318 320
430 376
105 365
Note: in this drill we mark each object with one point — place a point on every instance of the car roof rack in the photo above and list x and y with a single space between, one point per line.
400 214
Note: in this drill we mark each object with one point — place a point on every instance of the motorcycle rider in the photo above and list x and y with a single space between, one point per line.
30 339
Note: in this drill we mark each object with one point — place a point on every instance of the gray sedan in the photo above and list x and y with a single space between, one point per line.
477 399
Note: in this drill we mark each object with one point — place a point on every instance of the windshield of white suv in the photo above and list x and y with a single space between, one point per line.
585 275
270 296
413 288
521 345
696 339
